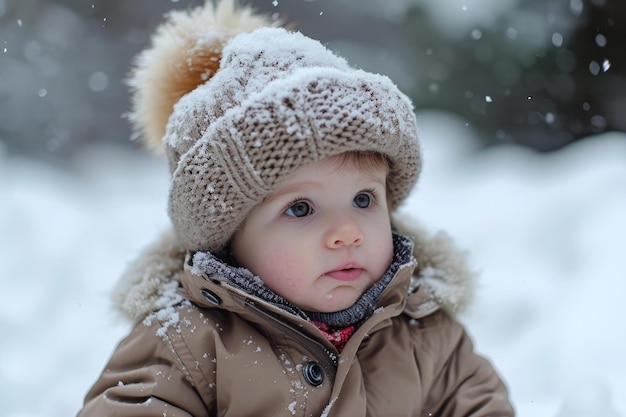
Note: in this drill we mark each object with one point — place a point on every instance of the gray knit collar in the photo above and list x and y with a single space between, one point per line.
243 279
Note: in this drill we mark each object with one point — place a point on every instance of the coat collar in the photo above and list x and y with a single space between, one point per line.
208 291
206 264
442 278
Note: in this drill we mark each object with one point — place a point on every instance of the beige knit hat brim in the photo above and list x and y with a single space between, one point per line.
310 114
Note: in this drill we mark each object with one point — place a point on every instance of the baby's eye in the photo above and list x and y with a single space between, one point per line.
299 209
362 200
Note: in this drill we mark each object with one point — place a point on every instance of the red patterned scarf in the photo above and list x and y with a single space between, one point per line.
338 337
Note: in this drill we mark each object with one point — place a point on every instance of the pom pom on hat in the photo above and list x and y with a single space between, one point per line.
185 52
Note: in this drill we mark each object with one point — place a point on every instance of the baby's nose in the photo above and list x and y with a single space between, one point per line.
344 232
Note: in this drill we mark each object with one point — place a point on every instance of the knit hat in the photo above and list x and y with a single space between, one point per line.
249 109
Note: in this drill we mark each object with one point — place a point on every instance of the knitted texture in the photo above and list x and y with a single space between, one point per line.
278 101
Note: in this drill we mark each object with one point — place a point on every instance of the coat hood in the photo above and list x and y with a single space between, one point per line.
442 278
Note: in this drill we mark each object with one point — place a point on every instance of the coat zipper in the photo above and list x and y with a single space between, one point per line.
331 358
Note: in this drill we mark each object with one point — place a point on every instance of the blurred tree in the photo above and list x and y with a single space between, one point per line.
62 67
543 74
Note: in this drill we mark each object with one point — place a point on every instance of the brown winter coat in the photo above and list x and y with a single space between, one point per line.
217 351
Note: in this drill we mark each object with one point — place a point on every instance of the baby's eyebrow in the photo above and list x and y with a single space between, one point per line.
279 192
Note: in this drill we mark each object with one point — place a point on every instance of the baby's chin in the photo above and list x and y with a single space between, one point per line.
332 303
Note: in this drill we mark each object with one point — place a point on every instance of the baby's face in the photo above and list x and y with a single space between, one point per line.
322 238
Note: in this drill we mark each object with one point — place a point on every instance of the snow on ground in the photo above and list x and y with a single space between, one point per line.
547 232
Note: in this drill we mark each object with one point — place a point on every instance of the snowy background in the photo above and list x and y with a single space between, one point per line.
548 233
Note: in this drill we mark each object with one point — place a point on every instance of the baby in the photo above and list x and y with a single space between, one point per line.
289 285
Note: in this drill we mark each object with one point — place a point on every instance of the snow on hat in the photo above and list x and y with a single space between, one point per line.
265 102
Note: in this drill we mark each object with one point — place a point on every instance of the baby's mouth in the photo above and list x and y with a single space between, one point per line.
345 274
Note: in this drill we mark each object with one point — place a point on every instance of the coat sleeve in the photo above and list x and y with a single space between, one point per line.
145 377
466 384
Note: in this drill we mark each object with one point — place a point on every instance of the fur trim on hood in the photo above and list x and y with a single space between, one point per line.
442 268
151 281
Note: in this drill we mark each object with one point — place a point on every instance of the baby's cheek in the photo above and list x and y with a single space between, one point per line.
284 266
379 258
